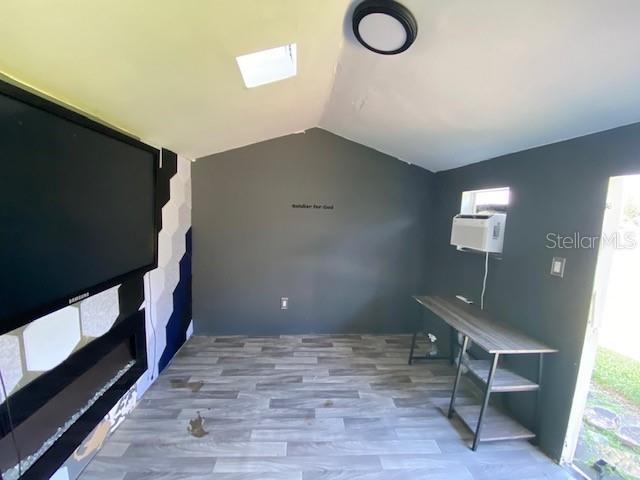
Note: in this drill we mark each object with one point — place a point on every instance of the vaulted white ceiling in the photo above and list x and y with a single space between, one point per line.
483 78
165 70
490 77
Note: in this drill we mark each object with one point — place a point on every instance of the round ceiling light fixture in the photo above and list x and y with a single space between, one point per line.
384 26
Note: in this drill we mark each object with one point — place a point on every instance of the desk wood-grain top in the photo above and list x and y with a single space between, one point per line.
491 336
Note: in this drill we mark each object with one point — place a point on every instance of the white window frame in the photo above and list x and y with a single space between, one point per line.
468 204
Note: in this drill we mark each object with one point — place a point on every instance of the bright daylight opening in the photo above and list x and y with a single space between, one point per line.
268 66
604 431
491 200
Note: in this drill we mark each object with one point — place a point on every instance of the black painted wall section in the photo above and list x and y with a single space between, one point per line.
556 188
168 168
130 297
350 269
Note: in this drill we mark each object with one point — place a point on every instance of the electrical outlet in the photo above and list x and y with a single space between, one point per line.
557 266
284 303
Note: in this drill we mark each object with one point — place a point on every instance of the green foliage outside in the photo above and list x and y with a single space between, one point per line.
618 373
615 386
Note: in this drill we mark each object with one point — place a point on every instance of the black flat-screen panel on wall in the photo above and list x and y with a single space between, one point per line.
77 207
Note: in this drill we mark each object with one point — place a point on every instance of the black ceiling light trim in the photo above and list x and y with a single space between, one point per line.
393 9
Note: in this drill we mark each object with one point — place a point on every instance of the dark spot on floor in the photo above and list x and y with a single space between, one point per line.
196 427
182 383
328 403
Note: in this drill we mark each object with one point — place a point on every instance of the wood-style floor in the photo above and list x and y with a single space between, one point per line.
338 407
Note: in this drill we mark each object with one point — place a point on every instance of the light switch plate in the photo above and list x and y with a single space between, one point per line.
557 266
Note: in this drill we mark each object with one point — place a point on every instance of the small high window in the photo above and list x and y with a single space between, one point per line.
268 66
490 200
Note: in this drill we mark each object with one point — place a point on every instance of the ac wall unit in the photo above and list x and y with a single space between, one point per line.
482 232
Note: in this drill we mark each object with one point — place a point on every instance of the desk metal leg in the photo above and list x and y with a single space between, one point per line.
537 407
453 339
465 341
485 400
413 347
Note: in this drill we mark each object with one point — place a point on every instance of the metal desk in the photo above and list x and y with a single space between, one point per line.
496 339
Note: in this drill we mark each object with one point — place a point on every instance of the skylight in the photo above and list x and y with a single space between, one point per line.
268 66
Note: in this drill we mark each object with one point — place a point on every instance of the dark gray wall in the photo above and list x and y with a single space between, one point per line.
556 188
350 269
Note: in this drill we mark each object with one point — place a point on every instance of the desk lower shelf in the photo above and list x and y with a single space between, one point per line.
495 425
503 381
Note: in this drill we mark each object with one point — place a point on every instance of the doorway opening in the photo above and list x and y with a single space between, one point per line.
603 439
